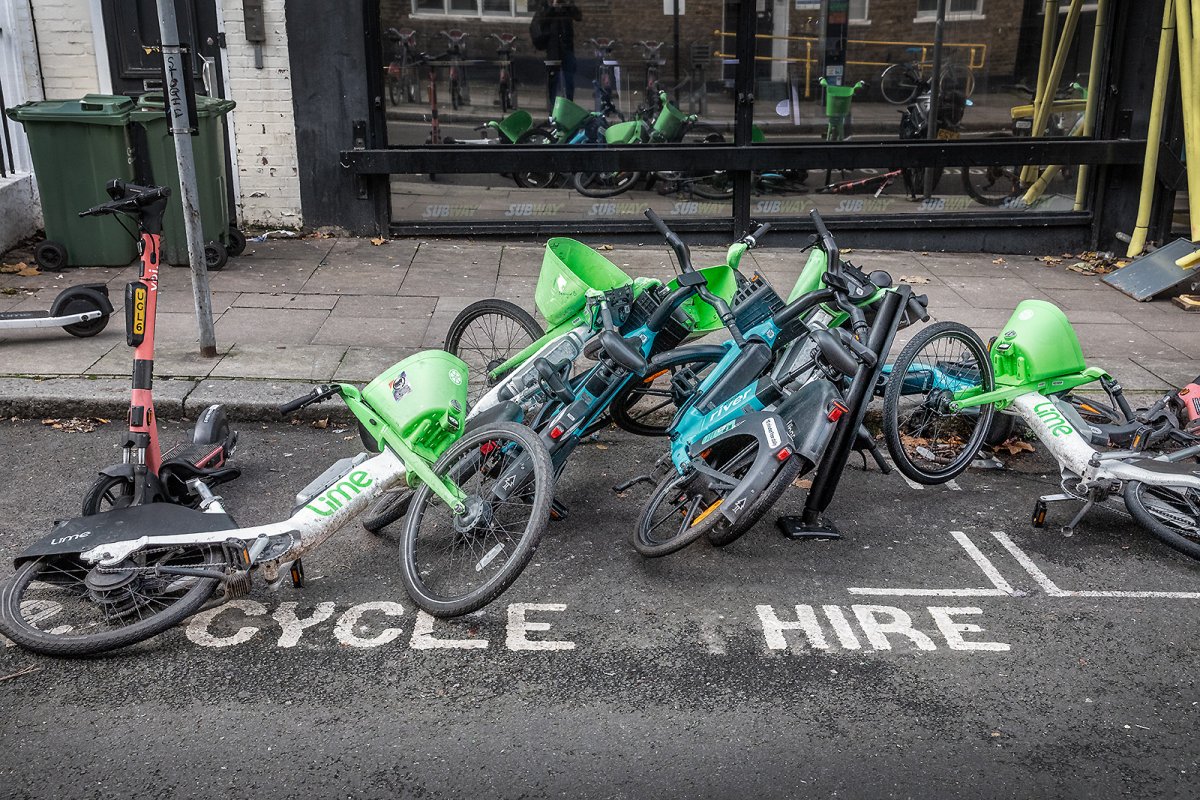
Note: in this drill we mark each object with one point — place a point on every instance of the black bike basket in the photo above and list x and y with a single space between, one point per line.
673 333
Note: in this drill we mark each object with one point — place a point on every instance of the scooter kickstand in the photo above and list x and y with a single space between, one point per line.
1069 528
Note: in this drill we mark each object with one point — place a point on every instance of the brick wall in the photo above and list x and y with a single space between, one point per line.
64 30
264 122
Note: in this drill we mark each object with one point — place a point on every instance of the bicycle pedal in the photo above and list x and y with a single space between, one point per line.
558 511
298 573
1039 514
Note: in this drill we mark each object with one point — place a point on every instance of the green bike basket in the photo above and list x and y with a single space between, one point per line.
569 115
423 399
624 132
669 122
515 124
837 100
722 281
569 269
1036 344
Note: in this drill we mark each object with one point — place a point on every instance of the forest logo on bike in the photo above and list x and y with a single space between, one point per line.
340 493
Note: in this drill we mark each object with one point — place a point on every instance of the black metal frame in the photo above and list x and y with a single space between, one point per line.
367 161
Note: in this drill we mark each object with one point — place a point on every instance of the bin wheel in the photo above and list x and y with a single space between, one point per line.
237 242
215 256
50 256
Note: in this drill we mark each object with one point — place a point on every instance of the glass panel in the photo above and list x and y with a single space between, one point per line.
464 6
622 57
431 6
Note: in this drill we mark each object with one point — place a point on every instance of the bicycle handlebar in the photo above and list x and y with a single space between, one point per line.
315 396
127 198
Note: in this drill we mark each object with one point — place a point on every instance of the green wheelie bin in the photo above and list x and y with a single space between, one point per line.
221 239
78 146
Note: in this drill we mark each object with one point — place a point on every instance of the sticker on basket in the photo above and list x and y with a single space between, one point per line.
400 386
772 431
455 377
560 283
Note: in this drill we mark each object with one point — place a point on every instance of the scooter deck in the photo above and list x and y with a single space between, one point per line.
199 455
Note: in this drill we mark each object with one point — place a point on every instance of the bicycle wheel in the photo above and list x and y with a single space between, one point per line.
505 98
993 185
455 93
452 565
48 603
487 333
714 186
899 84
395 92
930 443
957 78
604 184
724 533
647 407
106 493
391 507
536 180
1171 514
685 507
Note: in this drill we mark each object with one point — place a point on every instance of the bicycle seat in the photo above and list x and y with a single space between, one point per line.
621 351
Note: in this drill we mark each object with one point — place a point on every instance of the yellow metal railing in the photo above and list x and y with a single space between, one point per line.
976 53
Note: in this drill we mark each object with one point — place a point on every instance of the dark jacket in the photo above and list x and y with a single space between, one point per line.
561 20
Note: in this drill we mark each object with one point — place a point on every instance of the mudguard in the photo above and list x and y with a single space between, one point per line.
96 292
771 432
155 519
154 492
806 412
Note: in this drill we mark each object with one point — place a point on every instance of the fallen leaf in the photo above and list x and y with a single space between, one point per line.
8 291
605 247
601 447
12 269
1082 268
321 424
378 240
999 261
75 424
914 279
1013 445
28 272
802 483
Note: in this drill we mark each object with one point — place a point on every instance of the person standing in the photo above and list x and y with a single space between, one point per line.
554 27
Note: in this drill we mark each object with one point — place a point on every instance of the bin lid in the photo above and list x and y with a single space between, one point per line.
91 109
153 105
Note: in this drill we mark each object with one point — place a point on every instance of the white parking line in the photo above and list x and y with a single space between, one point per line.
1052 589
1001 586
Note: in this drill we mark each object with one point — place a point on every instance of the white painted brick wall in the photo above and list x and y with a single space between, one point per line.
64 29
264 123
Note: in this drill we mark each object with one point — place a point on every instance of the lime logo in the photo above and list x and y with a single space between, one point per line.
456 377
1027 314
1052 419
341 493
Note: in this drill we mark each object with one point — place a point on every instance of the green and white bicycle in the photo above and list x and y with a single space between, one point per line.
480 502
945 387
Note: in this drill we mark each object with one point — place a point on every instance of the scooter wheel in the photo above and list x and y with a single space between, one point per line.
50 256
108 492
212 427
237 242
79 305
215 256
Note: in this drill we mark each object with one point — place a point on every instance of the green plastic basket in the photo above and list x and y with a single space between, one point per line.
624 132
423 399
569 269
669 122
569 115
514 125
722 281
838 99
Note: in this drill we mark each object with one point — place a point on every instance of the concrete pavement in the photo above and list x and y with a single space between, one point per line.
293 313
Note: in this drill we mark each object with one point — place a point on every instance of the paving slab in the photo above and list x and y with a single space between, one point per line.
51 351
362 364
1124 341
270 325
276 275
171 359
83 397
397 330
301 362
347 278
1001 293
285 300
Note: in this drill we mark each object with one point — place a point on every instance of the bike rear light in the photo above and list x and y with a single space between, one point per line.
836 411
486 448
784 454
556 432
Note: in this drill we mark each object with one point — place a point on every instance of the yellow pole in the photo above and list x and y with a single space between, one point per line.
1041 110
1158 102
1093 98
1049 22
1188 81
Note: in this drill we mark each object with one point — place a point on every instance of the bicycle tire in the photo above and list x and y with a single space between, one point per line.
604 184
536 180
668 487
931 410
419 578
14 604
899 84
482 356
996 184
957 78
395 91
726 533
624 402
389 508
106 493
1185 539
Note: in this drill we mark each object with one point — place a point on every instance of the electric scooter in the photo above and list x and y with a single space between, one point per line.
146 474
81 311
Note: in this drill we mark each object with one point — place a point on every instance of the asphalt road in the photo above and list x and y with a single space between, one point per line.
770 669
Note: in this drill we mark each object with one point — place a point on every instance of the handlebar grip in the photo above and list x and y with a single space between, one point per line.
298 403
830 246
760 232
658 223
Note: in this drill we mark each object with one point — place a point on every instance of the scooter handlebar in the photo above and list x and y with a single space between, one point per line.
315 396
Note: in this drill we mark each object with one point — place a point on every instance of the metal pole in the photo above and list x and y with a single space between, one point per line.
676 51
184 160
743 113
935 89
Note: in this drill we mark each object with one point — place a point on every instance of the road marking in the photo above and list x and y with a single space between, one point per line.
879 624
1001 587
953 485
519 626
1053 590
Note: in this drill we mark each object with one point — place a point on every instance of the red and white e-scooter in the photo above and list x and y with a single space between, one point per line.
146 474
